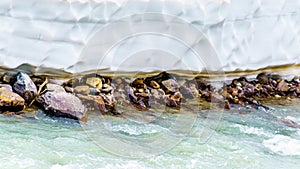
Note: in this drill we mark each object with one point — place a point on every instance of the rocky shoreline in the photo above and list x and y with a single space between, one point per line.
74 98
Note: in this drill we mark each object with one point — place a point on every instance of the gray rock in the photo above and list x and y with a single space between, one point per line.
171 85
62 104
25 87
55 88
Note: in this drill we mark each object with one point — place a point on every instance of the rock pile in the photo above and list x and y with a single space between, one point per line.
100 93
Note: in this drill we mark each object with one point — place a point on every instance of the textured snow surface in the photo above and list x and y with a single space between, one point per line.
246 34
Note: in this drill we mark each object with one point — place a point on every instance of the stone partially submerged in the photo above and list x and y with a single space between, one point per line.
62 104
10 101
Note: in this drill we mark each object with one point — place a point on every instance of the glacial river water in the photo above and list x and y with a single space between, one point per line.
242 139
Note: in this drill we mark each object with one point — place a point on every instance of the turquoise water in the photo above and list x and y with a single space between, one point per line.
251 139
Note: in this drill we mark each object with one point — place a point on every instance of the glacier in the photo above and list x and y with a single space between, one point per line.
245 35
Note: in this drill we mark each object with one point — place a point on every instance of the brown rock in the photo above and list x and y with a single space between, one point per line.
94 101
10 101
202 83
138 83
227 105
82 89
94 82
283 86
154 84
107 89
262 78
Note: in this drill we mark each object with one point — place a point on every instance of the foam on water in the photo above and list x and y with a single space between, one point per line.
283 145
253 130
137 130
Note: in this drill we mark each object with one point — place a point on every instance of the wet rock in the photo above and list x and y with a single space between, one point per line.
63 104
71 83
227 105
296 79
262 78
94 101
118 81
177 96
290 123
10 101
173 100
7 77
82 89
157 95
154 84
283 86
94 82
141 94
248 89
140 102
106 80
186 92
94 91
109 99
54 88
215 97
159 78
138 83
194 90
69 89
37 80
275 77
25 87
170 85
202 83
107 89
170 102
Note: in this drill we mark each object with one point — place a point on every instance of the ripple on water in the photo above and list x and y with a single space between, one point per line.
283 145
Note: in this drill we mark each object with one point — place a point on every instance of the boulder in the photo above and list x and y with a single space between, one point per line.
10 101
262 78
62 104
283 86
25 87
94 101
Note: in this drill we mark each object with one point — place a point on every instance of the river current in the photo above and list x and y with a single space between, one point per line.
242 139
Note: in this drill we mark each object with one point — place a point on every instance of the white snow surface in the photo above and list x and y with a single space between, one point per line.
245 34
